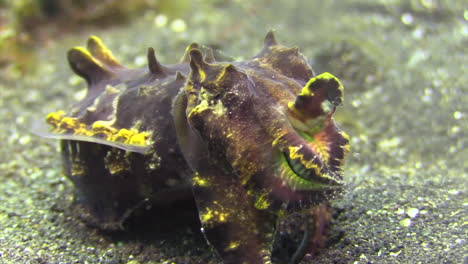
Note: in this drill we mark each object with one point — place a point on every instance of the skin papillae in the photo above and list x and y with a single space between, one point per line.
250 141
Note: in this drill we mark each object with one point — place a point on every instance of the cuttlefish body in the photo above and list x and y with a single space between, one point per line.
254 140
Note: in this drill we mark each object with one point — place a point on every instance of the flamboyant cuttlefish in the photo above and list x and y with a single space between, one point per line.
254 140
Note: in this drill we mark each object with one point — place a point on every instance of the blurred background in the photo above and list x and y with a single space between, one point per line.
404 67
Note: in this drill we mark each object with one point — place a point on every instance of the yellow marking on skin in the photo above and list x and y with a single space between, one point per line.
221 75
246 168
62 124
346 147
233 245
186 57
218 216
70 123
294 154
321 149
132 136
223 217
204 95
202 74
266 256
102 126
320 145
218 109
279 139
261 201
139 138
324 76
89 56
111 89
103 50
55 117
83 131
293 108
198 181
202 106
192 97
115 167
115 162
77 169
207 216
245 177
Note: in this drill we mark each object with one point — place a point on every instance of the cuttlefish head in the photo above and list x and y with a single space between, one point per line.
267 122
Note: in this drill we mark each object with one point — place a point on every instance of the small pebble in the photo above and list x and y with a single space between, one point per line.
160 21
178 25
405 222
412 212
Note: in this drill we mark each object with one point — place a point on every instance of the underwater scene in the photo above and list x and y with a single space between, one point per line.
263 132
